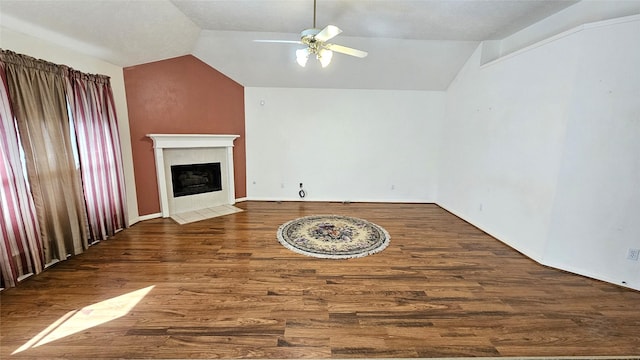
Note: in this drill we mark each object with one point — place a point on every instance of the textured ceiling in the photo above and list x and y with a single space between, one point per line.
398 19
412 44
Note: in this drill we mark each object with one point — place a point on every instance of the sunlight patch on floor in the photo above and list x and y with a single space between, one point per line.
89 316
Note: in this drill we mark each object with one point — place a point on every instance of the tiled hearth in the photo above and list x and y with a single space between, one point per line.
203 214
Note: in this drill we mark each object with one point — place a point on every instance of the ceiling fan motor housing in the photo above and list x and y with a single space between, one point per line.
309 36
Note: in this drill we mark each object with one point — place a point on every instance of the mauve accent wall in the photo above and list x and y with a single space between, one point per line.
182 95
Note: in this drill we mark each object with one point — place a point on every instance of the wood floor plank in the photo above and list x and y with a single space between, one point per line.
225 288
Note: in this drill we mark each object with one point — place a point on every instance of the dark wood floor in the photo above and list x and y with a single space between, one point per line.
225 288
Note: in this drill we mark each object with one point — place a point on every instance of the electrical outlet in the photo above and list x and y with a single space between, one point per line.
633 254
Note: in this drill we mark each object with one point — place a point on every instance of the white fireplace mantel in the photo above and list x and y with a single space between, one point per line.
184 141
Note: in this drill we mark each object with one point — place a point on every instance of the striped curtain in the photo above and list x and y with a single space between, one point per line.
93 112
20 242
57 209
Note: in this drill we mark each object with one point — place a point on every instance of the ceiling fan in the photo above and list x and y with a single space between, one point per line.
316 42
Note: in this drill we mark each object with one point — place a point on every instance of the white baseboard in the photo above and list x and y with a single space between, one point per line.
149 216
293 199
630 283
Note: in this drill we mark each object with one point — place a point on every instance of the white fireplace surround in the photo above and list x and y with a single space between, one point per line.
162 142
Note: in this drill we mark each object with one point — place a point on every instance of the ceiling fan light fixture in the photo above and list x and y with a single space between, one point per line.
302 55
317 44
325 57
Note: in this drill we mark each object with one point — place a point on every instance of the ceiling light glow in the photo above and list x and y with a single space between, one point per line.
325 57
302 55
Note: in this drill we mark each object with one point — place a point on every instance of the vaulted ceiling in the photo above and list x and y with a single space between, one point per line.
412 44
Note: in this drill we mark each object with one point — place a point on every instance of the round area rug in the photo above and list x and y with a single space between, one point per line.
333 236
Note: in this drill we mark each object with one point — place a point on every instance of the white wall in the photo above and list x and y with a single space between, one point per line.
41 49
596 214
343 145
540 149
503 141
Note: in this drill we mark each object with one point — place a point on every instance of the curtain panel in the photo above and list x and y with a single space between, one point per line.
38 98
96 126
20 243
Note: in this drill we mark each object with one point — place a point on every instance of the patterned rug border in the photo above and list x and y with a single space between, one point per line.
287 245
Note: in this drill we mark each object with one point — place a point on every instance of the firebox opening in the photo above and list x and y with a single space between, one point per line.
195 179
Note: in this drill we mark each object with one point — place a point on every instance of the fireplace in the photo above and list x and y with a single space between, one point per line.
173 150
194 179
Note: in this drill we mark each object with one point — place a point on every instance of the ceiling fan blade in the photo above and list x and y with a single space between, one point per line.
327 33
298 42
346 50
